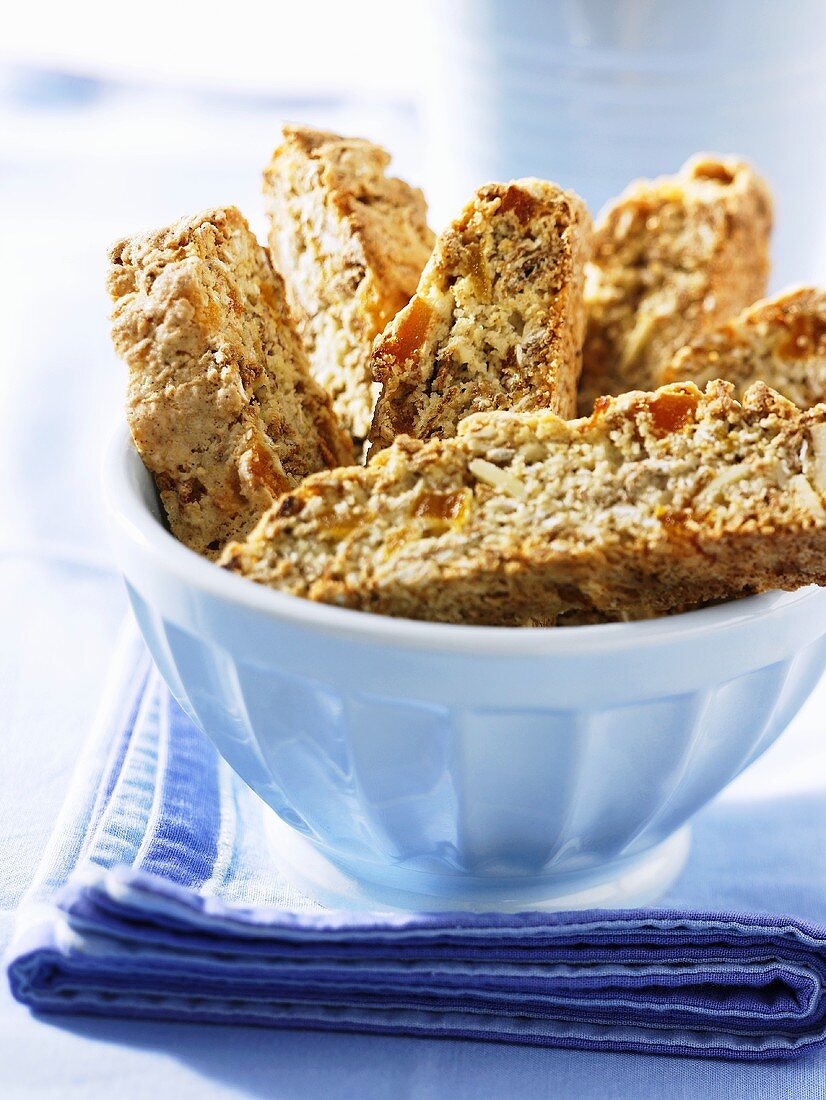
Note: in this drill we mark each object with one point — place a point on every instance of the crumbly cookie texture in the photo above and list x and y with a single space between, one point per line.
656 503
673 258
780 341
498 318
221 403
351 243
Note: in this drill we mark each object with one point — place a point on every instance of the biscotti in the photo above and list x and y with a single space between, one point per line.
673 258
498 318
656 503
351 243
221 404
780 341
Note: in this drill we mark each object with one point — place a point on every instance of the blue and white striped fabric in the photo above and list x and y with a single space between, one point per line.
158 897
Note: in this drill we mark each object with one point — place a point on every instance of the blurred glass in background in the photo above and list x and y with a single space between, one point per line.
593 93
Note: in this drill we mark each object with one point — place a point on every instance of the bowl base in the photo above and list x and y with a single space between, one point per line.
625 883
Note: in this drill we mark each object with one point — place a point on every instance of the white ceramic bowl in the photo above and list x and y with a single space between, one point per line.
429 766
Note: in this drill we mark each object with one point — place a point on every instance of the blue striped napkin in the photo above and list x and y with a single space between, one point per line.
158 897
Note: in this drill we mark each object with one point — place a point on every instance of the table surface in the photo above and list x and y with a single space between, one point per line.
61 606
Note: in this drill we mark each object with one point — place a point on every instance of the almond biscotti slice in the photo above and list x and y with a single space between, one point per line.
221 403
351 243
780 341
673 258
656 503
498 319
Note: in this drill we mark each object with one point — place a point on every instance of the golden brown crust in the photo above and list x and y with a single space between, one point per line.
780 341
498 318
351 243
221 404
658 502
673 258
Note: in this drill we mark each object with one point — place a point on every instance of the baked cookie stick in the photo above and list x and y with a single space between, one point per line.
221 403
498 318
673 258
351 243
658 502
780 341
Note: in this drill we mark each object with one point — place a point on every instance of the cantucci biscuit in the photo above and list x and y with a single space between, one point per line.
497 321
780 341
351 243
656 503
673 258
221 404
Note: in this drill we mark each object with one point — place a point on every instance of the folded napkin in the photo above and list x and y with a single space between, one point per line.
158 897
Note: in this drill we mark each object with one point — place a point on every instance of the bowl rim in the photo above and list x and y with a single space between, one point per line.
124 475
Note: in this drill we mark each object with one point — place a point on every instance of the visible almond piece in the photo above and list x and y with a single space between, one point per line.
807 498
817 434
497 478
